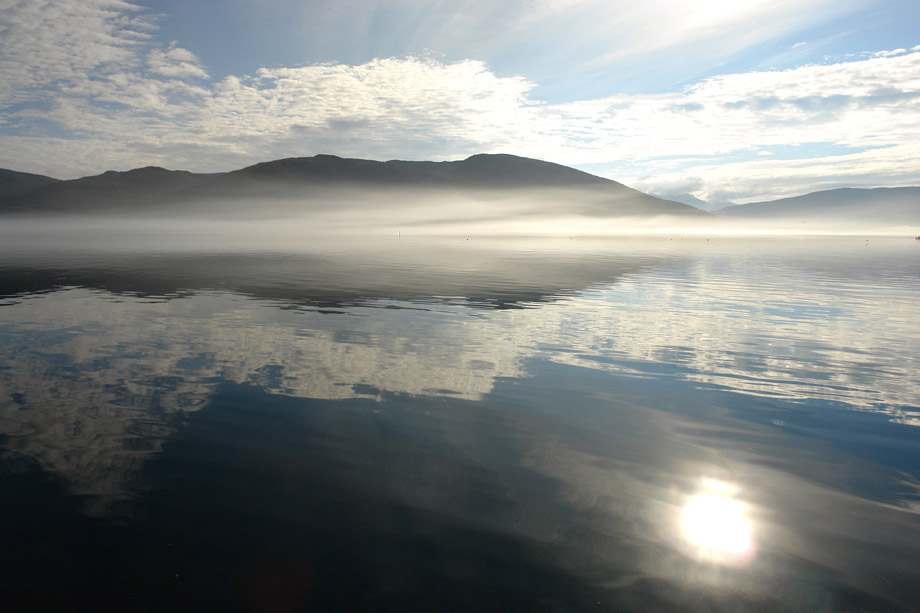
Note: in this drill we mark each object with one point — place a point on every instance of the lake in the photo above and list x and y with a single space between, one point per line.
400 423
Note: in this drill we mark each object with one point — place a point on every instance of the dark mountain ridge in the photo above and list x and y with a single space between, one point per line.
152 188
14 184
482 170
106 191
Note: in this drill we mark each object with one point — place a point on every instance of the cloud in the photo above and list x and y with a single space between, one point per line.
109 95
766 179
63 41
678 185
175 62
870 106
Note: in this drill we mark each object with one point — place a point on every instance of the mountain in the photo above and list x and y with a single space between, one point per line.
510 277
895 205
109 191
479 171
693 201
15 184
146 190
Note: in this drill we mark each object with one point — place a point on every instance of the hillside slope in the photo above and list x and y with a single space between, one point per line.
319 178
887 205
14 184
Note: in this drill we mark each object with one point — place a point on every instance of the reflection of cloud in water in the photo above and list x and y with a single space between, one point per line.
773 331
105 379
93 384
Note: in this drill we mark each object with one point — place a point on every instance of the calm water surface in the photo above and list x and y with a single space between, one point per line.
626 424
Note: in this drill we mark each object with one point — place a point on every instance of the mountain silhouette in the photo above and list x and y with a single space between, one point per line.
15 184
889 205
152 188
109 191
482 170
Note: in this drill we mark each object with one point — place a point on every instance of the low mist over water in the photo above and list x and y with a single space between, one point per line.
398 422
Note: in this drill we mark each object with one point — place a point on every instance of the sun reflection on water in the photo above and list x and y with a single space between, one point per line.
718 525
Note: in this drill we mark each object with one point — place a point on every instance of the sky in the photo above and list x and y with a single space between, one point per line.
739 100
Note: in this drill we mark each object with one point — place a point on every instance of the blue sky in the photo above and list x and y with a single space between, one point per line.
730 100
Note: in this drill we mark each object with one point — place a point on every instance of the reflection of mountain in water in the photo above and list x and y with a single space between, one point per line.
489 278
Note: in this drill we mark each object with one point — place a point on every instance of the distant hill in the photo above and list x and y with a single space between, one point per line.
151 189
14 184
482 170
895 205
693 201
106 192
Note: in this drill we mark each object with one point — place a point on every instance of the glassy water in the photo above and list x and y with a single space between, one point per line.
629 424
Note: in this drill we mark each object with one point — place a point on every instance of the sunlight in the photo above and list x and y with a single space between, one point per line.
718 525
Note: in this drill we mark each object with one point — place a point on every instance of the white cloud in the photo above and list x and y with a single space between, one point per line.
870 104
767 179
175 62
61 41
120 99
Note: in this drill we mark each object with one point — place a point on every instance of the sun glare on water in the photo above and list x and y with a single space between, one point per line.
718 525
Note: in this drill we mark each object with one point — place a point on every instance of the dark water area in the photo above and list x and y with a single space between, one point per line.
462 424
